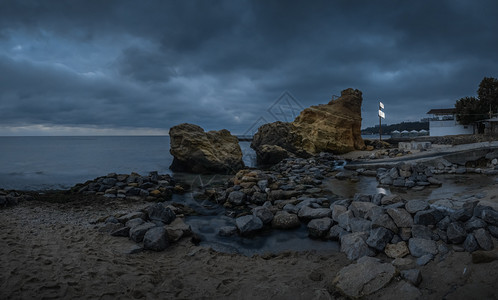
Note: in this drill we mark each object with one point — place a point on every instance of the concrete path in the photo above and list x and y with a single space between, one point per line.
465 151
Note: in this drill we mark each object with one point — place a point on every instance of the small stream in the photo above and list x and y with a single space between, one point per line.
212 216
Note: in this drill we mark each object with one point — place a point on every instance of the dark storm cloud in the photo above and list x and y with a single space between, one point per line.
221 64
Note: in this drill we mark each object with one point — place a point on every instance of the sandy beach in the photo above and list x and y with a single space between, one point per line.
56 251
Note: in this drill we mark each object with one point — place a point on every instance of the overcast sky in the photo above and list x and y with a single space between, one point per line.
140 67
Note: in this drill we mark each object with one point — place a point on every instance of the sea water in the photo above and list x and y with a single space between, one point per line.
47 163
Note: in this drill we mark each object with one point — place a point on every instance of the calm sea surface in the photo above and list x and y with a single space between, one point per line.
40 163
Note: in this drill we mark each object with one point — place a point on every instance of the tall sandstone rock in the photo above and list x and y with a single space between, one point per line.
196 151
334 127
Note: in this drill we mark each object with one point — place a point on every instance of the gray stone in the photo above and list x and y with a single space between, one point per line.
391 199
443 224
470 244
421 231
359 224
360 209
137 233
420 247
363 278
424 259
414 276
263 213
456 233
362 198
318 228
344 219
415 206
156 239
493 230
227 231
374 213
237 198
336 232
123 231
134 222
409 183
177 229
133 215
386 180
354 246
474 223
248 224
379 238
397 250
490 216
384 221
111 219
465 213
158 212
434 181
285 220
484 239
405 233
258 198
308 213
399 182
393 173
428 217
400 217
263 184
337 210
377 198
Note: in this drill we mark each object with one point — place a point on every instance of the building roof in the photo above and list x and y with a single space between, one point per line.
442 111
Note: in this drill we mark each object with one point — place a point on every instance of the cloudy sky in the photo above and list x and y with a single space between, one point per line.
140 67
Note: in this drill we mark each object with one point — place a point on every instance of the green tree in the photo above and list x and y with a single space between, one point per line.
488 94
472 109
468 110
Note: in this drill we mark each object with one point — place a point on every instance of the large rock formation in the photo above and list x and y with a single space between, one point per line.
197 151
334 127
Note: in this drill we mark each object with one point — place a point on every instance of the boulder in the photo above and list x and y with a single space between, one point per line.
336 232
385 221
379 237
420 247
237 198
412 275
248 224
285 220
318 228
354 245
360 209
197 151
428 217
470 244
158 212
397 250
400 217
363 278
264 213
484 239
177 229
415 206
137 233
308 213
490 216
156 239
334 127
456 233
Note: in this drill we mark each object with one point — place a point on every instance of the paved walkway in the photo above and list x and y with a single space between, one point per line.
423 156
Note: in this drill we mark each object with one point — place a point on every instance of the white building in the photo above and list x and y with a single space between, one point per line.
443 122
